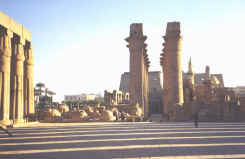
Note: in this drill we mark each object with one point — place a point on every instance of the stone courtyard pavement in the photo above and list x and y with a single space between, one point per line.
125 140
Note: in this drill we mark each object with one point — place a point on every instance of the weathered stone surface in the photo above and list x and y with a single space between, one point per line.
83 115
76 116
28 80
54 112
172 69
136 110
52 115
194 93
63 108
209 98
16 96
107 115
139 64
155 81
5 57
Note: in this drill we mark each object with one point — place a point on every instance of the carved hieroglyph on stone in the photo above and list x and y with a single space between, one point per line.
172 71
139 64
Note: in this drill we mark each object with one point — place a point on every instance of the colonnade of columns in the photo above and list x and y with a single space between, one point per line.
115 97
16 77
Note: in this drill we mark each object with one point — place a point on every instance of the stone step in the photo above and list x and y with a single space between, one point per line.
156 118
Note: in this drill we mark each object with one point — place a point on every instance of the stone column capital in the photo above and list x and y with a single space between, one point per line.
20 54
5 45
29 60
5 31
22 41
133 39
9 33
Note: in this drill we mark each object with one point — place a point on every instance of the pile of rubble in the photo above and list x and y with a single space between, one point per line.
93 113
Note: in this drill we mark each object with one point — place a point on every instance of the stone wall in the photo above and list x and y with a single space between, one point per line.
155 89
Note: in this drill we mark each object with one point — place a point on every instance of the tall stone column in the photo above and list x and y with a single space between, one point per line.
207 73
146 83
190 75
138 82
28 80
5 59
136 48
17 80
172 69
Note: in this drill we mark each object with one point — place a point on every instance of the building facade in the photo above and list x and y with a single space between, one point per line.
80 97
240 91
155 89
112 98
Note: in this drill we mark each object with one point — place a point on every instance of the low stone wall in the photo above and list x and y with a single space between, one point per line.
214 111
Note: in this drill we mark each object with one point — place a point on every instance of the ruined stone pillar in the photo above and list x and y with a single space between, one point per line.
146 83
136 48
17 80
115 97
28 80
105 97
207 73
138 86
190 76
172 68
5 59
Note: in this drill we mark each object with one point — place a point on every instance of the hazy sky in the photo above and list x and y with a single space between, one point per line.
79 44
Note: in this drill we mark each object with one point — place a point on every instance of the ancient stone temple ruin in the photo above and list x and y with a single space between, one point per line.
139 64
154 86
206 95
115 97
171 66
190 93
16 72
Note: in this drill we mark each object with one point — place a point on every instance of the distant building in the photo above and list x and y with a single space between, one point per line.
80 97
155 89
115 97
206 95
239 91
43 96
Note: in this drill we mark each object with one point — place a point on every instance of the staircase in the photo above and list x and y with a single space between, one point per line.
156 118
